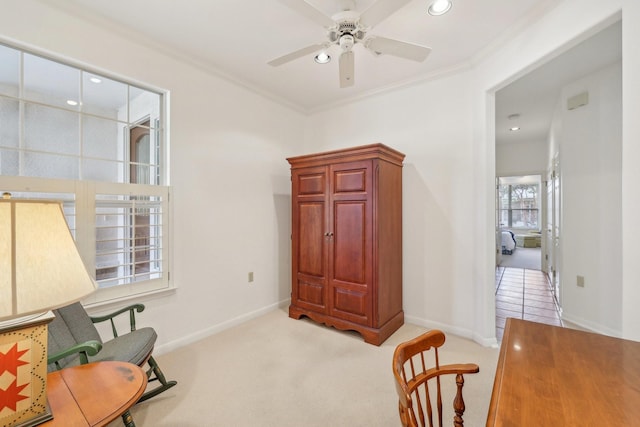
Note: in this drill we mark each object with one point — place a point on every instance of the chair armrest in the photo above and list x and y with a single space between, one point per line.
85 349
455 368
460 368
132 309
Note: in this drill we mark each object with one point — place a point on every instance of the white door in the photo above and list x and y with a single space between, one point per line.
553 230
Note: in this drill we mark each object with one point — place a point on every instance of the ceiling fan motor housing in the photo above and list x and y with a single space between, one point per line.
347 23
347 27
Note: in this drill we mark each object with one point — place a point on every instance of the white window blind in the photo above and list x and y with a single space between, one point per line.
129 236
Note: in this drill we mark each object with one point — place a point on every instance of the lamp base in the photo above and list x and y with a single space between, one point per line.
23 372
38 419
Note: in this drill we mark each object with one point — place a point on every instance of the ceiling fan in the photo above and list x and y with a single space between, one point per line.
347 28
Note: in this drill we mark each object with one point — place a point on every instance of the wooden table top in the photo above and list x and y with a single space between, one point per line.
94 394
552 376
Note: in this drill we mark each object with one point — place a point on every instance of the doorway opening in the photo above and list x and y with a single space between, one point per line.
537 128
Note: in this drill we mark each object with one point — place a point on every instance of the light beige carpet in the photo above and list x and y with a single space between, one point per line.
528 258
274 371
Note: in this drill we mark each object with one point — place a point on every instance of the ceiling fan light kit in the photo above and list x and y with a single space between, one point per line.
346 69
348 28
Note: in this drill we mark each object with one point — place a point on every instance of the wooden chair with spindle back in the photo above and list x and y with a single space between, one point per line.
418 383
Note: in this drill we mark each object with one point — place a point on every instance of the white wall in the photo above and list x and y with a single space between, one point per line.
589 142
438 203
630 170
525 158
229 177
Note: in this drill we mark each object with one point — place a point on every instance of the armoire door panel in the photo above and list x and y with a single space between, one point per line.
311 235
350 304
350 242
350 181
311 293
311 184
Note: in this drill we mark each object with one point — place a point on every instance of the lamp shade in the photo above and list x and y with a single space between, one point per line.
40 267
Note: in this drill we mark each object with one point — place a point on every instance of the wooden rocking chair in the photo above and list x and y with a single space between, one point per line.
73 340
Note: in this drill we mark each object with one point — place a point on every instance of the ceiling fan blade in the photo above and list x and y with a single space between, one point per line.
296 54
379 11
346 69
305 9
385 46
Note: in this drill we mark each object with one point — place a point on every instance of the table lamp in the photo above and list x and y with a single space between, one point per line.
40 270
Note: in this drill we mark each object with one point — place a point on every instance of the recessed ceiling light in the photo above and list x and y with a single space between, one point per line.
95 80
72 102
439 7
513 116
515 128
322 58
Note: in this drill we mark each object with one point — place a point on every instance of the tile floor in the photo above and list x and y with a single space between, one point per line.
523 294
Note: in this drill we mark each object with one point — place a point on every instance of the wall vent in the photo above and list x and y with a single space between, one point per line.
578 101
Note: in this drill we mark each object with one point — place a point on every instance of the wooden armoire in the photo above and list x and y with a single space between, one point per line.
347 239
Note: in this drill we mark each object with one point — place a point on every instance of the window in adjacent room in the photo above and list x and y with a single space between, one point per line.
98 144
519 202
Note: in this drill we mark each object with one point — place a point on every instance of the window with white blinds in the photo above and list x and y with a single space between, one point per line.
129 231
98 144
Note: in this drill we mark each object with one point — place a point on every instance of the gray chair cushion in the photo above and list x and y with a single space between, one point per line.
78 323
133 347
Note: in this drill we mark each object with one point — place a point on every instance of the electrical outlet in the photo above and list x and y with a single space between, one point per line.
580 281
250 276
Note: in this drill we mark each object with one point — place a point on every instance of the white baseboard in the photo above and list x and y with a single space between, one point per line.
449 329
212 330
590 326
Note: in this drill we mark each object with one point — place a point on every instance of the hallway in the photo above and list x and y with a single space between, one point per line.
523 294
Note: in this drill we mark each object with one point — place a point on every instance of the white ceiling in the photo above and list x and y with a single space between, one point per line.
236 39
535 95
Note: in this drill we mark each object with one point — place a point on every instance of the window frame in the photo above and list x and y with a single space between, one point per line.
85 190
510 209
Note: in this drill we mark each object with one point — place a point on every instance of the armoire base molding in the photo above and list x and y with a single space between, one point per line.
375 336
